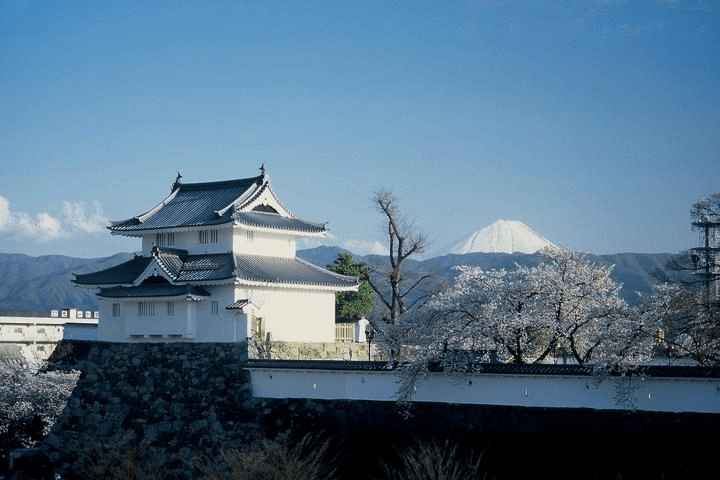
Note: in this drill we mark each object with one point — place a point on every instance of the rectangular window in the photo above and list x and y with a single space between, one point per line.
165 239
40 330
214 308
208 236
146 309
170 307
18 330
116 310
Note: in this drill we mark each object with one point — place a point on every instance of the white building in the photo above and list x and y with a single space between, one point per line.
34 335
218 264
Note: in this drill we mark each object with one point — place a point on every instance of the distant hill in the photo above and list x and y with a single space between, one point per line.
44 283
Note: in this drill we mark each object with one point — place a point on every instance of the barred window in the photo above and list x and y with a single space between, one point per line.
165 239
214 308
170 309
116 310
208 236
146 309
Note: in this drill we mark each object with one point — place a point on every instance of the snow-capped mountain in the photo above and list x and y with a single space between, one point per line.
503 236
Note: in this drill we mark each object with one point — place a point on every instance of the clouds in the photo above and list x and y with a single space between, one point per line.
74 219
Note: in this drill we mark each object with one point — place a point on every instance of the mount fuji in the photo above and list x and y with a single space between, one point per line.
503 236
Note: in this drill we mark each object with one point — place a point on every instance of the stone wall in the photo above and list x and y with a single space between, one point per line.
169 407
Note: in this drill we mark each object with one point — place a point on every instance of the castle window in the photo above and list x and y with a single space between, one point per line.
214 308
208 236
116 310
165 239
146 309
170 309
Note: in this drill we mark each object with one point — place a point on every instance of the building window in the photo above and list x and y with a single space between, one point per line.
40 348
170 306
214 308
146 309
165 239
208 236
116 310
40 330
18 330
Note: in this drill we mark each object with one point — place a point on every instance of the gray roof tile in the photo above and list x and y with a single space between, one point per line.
289 271
275 221
144 291
202 269
194 204
669 371
124 273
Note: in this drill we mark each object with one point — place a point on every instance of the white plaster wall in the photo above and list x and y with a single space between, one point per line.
294 315
649 393
158 324
188 240
109 328
250 242
222 327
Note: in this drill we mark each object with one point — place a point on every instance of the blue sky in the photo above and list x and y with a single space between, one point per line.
596 123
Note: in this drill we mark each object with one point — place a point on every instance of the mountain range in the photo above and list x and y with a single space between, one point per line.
44 283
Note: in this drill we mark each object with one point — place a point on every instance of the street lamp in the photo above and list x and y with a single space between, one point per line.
369 335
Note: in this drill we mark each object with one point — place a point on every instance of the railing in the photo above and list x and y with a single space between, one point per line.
344 332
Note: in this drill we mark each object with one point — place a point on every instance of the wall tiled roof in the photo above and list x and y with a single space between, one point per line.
667 371
192 205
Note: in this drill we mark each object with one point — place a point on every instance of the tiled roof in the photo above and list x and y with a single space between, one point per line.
199 269
669 371
318 365
122 274
192 205
277 222
295 271
238 305
144 291
209 267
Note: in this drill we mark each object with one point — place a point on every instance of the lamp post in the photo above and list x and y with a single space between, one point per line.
369 335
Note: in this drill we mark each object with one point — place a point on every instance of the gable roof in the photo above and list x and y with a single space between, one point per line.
211 204
192 205
179 268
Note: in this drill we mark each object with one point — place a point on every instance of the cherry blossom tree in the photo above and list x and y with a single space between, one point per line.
689 325
30 402
566 305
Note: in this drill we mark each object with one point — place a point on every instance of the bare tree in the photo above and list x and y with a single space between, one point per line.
392 287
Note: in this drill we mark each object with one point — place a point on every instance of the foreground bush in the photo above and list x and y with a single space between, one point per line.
309 459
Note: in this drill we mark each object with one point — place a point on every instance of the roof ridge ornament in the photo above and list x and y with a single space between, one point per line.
177 182
262 170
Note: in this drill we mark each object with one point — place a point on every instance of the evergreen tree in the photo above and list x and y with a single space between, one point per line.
352 304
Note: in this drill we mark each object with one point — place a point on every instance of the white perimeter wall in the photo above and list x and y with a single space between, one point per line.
652 394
